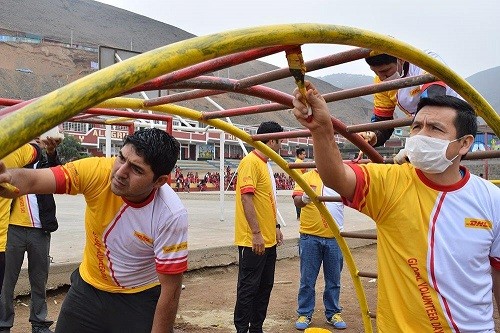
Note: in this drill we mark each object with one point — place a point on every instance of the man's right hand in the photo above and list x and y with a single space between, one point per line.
7 190
5 176
258 243
321 119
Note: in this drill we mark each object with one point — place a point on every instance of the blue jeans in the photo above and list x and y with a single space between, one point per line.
313 251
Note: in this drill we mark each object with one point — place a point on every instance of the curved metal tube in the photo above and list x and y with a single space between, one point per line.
52 109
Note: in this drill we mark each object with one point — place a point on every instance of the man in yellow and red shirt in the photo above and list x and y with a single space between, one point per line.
300 154
257 233
386 68
32 219
318 247
438 225
17 159
136 236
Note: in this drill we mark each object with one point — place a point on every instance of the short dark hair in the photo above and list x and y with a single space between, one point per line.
269 127
299 151
465 120
158 148
381 59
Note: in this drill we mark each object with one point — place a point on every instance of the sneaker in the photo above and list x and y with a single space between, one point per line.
41 329
337 322
302 323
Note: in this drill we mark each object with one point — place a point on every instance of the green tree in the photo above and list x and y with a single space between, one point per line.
70 149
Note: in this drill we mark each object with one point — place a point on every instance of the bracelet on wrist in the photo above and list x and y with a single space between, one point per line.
278 226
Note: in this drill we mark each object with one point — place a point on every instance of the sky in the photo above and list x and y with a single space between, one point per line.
465 33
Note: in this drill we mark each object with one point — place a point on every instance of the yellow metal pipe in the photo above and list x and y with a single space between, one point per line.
63 103
117 120
54 108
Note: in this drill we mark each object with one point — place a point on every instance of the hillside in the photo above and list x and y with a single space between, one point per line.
91 24
348 81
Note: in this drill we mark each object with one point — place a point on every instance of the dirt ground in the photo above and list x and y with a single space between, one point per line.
207 302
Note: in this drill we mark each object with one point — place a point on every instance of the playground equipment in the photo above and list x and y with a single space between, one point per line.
182 64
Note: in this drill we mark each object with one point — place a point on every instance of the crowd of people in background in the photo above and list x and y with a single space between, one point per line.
183 182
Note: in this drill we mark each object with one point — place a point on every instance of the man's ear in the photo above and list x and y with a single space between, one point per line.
161 181
467 142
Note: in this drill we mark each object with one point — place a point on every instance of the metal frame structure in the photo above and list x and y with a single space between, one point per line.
182 65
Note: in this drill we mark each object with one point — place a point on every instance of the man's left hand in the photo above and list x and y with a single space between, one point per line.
279 237
369 137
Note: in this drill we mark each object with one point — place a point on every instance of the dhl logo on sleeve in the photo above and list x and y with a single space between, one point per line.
144 238
175 248
415 91
477 223
247 179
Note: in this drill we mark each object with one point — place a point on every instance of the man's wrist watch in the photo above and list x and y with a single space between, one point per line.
278 226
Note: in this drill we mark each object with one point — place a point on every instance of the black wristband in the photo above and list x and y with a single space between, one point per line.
278 226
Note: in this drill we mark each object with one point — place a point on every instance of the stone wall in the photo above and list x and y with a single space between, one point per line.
489 168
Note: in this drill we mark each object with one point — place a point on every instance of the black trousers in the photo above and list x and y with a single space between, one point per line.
89 310
255 282
2 269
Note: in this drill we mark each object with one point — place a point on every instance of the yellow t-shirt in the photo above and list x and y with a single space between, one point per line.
298 160
254 177
311 220
17 159
384 103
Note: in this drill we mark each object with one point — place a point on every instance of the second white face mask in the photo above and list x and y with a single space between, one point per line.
428 154
394 76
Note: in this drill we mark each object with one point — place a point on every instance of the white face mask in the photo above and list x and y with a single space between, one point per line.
428 154
396 74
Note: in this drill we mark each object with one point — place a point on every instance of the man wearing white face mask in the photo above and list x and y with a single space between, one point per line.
428 154
438 226
387 68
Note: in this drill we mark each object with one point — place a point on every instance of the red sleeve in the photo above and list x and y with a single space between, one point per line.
495 263
358 200
247 189
170 266
427 85
60 177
